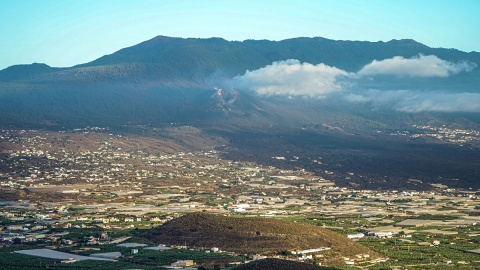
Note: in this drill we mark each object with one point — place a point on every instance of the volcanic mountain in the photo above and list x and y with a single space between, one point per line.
344 101
167 79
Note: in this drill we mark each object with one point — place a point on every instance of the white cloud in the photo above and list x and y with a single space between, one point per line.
420 66
291 78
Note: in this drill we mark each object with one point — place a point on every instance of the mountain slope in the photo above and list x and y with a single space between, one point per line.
25 72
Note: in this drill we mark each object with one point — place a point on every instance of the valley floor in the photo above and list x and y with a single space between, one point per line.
84 192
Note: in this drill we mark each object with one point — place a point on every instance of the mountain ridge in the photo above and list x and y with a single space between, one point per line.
193 59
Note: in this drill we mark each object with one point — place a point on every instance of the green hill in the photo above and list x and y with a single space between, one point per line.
255 236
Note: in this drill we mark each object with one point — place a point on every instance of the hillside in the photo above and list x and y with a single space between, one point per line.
254 235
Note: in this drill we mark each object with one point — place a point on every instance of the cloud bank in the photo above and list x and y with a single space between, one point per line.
420 66
416 101
292 78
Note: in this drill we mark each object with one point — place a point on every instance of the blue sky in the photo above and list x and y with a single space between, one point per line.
70 32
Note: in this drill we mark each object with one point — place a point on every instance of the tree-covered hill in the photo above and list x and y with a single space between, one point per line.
254 235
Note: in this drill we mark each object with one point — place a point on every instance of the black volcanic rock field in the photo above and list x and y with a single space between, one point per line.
371 162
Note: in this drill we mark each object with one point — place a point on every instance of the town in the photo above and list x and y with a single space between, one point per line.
89 191
456 136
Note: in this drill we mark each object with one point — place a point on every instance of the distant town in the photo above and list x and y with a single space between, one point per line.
457 136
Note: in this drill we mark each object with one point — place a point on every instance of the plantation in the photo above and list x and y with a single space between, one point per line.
145 259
